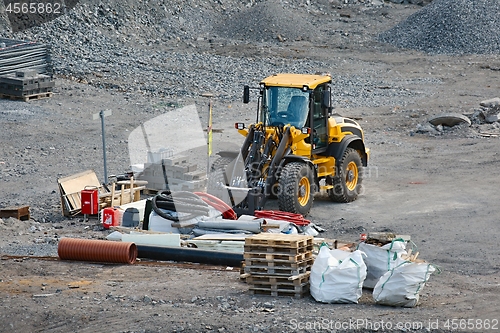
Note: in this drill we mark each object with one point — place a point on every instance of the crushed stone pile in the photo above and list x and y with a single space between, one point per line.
266 21
451 27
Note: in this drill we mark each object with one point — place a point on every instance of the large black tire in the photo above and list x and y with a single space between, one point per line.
216 174
296 188
347 181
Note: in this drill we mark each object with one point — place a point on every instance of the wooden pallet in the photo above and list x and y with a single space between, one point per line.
278 263
279 240
277 256
278 280
296 293
278 271
260 249
27 98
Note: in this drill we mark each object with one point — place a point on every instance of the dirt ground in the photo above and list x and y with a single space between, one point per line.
442 190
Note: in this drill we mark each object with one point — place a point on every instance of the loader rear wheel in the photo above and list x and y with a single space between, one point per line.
296 188
347 181
216 175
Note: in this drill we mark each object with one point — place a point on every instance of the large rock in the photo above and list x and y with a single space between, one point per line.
491 103
449 119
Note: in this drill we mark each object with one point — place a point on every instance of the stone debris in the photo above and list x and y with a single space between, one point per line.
450 27
482 122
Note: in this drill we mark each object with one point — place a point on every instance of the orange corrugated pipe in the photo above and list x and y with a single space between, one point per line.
97 250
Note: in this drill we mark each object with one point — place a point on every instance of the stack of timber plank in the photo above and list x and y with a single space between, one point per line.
278 264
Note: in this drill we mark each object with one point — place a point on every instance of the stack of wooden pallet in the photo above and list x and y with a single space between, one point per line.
278 264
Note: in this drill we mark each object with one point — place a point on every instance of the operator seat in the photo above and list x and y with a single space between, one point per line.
296 109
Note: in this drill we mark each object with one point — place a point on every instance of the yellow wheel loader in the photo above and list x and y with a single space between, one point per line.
295 148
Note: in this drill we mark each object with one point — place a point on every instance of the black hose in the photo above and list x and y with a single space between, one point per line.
179 202
181 254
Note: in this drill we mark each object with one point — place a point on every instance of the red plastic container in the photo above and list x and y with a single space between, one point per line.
111 217
90 201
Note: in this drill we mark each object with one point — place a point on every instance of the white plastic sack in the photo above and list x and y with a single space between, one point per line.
381 259
337 276
401 286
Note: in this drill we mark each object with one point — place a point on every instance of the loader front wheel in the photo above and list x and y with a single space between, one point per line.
296 188
347 181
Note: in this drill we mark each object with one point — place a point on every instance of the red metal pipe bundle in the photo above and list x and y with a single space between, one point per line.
97 250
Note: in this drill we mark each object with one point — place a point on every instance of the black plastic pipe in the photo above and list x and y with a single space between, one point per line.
183 254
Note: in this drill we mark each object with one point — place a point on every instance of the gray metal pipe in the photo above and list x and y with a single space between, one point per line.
252 226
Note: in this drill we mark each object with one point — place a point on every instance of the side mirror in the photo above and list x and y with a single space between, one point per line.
246 94
327 102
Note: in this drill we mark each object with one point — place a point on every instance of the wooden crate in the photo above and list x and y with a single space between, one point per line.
21 212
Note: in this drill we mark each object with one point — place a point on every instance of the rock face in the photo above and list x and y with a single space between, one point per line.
450 27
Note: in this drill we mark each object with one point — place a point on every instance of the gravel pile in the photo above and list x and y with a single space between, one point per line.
450 27
267 21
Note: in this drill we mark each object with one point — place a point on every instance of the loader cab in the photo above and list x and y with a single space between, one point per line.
285 105
300 100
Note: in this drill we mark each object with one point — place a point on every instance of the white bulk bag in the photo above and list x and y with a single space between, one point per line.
380 259
401 286
337 276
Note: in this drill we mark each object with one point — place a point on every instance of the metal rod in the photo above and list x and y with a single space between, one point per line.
101 114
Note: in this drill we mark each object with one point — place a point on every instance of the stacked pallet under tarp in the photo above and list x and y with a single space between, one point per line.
25 70
17 55
278 264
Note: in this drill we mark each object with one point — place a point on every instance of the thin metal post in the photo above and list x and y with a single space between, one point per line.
209 133
101 114
209 129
